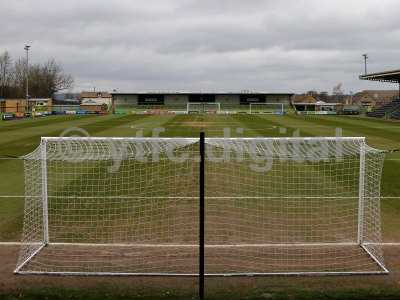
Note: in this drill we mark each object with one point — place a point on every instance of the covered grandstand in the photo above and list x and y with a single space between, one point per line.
176 102
392 109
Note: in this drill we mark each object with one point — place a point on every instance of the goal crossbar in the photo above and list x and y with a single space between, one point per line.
195 140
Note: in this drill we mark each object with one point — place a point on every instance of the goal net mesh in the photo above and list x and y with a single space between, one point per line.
267 108
212 107
130 206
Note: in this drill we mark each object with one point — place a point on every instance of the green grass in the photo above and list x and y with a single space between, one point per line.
21 137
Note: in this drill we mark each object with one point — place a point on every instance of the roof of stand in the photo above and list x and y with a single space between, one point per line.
388 76
250 93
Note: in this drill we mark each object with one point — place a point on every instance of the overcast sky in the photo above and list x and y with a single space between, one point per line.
216 45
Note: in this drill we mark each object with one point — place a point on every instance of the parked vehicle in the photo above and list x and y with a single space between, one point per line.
7 116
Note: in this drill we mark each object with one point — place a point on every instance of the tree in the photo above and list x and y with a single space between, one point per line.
44 79
47 79
18 79
5 73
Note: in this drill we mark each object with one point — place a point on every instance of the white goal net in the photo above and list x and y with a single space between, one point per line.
130 206
267 108
203 107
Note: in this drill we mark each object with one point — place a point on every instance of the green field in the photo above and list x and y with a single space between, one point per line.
18 138
21 137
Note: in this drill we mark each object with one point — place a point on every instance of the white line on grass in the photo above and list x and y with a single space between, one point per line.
10 243
191 197
195 245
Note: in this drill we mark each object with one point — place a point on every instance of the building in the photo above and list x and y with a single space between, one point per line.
305 98
15 106
390 108
178 100
392 76
98 95
60 97
40 105
318 107
95 105
374 98
377 98
95 101
20 106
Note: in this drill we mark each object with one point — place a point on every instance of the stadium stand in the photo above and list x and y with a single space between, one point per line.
396 113
386 109
391 109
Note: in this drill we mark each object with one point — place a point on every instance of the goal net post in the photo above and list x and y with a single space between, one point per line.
267 108
203 107
130 206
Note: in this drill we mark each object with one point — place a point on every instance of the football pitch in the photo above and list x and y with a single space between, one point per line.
18 138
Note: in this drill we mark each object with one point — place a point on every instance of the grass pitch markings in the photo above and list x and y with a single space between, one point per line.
11 170
390 187
26 139
132 126
254 125
385 139
378 138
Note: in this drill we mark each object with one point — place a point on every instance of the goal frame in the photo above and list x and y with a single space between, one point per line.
281 105
203 105
360 222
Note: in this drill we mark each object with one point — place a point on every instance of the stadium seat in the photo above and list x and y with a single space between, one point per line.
387 109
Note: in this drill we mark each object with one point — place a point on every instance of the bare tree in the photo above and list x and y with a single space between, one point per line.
18 79
55 79
47 79
5 73
44 79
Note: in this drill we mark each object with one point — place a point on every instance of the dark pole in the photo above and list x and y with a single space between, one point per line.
112 104
26 48
365 63
201 217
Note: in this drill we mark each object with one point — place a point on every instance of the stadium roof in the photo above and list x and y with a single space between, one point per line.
387 76
318 103
199 93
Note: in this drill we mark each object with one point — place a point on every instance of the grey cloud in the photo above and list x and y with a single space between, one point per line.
221 45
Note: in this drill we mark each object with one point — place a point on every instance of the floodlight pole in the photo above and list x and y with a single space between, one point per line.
365 63
26 48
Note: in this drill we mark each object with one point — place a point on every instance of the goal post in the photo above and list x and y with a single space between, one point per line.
267 108
203 107
133 206
43 161
361 199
